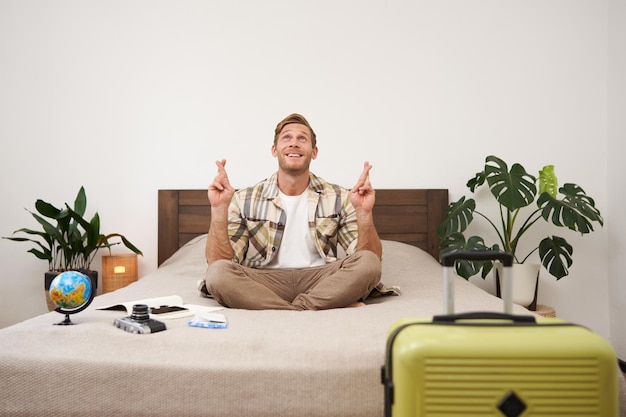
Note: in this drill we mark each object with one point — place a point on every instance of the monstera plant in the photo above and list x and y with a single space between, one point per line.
524 201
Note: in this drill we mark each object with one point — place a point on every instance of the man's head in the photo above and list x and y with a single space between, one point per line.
294 118
294 145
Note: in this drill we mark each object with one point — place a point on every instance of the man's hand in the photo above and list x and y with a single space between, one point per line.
220 191
362 195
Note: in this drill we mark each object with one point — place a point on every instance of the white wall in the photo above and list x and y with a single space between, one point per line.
129 97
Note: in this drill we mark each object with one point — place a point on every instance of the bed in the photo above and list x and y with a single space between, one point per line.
266 363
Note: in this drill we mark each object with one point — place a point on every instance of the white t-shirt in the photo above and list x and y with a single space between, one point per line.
297 249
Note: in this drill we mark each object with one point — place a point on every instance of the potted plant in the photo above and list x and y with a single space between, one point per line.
515 189
66 239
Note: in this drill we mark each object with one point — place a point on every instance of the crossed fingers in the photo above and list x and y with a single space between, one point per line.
363 185
221 181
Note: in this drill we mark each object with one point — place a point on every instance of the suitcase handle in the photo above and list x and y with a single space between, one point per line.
488 315
448 261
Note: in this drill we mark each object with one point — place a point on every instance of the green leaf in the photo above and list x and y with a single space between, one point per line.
48 210
548 182
576 210
513 189
46 255
19 239
105 242
458 216
131 246
555 254
93 231
477 181
80 203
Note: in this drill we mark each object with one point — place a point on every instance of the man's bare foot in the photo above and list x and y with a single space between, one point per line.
356 304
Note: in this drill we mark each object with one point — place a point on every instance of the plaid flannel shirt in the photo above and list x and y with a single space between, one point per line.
256 221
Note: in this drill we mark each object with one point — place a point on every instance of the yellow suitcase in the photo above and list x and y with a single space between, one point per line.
496 364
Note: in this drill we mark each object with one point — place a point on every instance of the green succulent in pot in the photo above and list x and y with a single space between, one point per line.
524 201
66 239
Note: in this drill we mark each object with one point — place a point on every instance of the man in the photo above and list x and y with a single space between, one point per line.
274 245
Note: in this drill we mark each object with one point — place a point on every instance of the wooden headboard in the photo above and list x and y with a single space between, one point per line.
410 216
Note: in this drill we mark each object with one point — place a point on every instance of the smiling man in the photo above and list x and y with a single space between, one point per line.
274 245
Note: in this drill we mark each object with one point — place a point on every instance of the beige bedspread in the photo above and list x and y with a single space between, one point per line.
267 363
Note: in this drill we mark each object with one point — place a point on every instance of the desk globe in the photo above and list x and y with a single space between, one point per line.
71 292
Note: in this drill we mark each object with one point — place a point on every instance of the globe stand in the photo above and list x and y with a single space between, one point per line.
66 322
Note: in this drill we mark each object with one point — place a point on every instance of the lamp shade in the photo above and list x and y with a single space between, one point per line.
118 271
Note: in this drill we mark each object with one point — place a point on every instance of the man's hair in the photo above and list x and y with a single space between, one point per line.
294 118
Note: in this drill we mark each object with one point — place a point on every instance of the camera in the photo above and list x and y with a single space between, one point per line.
139 321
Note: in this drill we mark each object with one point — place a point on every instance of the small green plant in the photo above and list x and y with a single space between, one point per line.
67 240
513 190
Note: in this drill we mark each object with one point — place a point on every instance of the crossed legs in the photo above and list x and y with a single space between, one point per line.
333 285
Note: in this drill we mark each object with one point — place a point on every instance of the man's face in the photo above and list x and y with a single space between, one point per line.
294 149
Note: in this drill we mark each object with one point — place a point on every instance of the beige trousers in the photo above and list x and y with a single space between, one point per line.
335 284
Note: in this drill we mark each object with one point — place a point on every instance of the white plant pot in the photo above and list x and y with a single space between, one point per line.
525 281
